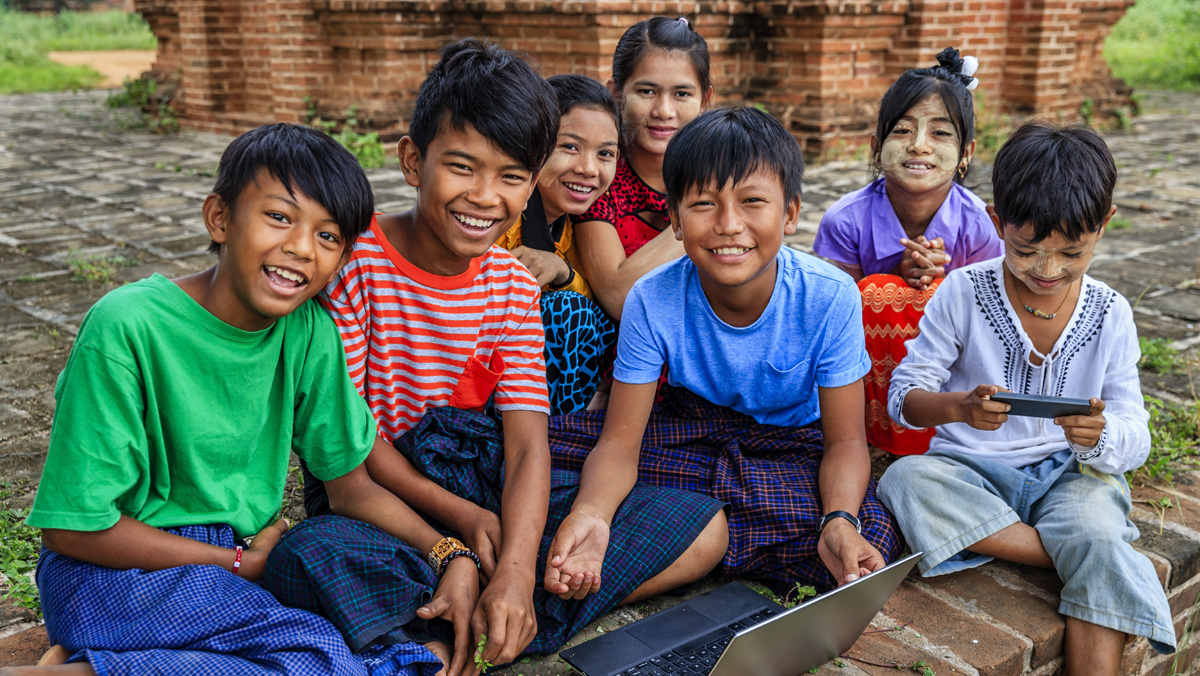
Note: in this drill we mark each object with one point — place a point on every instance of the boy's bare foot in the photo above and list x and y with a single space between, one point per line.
443 653
55 655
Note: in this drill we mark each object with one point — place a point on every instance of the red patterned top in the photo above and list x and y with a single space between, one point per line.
627 198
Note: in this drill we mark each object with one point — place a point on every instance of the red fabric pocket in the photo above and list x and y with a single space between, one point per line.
477 383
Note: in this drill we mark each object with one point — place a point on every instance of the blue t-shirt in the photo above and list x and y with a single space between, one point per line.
810 335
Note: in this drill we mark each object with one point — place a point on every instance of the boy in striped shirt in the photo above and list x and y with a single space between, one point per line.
436 323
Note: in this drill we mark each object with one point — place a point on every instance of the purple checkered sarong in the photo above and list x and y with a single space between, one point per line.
199 620
767 474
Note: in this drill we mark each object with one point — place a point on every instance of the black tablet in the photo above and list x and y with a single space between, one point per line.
1039 406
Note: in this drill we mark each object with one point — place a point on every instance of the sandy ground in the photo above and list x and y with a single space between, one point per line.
115 66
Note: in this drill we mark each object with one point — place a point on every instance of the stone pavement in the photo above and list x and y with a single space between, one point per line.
86 205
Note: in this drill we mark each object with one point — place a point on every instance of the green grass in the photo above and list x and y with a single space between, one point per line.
77 31
1158 356
1157 44
1174 441
25 39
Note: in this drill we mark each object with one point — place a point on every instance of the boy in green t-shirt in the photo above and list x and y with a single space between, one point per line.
177 411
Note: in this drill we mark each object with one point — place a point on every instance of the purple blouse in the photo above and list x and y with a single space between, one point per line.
862 229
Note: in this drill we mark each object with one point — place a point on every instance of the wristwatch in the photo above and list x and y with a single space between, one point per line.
842 515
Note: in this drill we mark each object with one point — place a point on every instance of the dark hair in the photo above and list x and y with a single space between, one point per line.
946 81
730 144
580 91
311 161
495 91
1057 179
672 35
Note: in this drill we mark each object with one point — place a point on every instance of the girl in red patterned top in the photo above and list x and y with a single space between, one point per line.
661 81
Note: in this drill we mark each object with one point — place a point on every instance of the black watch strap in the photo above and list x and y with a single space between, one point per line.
840 514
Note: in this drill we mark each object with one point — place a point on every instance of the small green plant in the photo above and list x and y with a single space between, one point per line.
26 278
992 128
1119 223
1087 110
1123 119
99 268
1158 355
1174 441
480 663
365 146
151 102
19 549
793 598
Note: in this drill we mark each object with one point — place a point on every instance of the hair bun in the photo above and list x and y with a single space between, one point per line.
964 67
948 58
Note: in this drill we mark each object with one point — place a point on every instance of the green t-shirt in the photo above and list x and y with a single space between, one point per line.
171 416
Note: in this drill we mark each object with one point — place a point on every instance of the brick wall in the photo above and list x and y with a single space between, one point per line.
818 65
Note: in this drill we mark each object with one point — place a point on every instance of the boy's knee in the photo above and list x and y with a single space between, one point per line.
713 541
904 476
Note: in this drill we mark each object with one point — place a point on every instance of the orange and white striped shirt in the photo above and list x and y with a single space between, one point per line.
416 340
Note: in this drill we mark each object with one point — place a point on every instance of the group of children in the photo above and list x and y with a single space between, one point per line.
465 506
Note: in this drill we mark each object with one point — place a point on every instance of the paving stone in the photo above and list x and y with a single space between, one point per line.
990 650
1182 552
1024 612
883 649
1185 597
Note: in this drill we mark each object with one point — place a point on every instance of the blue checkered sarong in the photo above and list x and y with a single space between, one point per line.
370 584
767 474
198 620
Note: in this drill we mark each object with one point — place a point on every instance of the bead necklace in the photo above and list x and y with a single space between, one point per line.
1032 310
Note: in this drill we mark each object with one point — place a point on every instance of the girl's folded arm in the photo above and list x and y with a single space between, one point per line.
608 270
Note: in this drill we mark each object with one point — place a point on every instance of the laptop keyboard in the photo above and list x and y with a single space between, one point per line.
696 657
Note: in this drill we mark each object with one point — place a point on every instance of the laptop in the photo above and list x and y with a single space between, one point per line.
734 631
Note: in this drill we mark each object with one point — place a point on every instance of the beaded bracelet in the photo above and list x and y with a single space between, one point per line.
454 555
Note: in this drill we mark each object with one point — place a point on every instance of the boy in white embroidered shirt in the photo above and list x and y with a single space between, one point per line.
1047 493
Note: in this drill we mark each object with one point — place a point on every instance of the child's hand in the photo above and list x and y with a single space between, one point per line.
454 601
576 556
1084 430
845 553
506 617
254 558
923 262
483 536
546 266
979 411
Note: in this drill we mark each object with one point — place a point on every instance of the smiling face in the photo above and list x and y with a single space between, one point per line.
733 233
920 154
277 251
583 162
469 193
661 95
1048 267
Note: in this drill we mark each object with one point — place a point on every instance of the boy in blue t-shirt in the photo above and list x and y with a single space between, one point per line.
759 340
177 412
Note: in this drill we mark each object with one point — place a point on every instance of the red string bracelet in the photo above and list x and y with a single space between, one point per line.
237 561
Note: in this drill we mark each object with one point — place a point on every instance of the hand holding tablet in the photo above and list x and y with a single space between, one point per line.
1039 406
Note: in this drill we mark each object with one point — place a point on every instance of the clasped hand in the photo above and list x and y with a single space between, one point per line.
924 261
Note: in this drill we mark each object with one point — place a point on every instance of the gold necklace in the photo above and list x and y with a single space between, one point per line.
1032 310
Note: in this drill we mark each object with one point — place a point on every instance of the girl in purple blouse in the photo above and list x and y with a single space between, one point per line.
914 223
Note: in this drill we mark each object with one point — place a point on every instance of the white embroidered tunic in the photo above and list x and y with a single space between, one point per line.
971 335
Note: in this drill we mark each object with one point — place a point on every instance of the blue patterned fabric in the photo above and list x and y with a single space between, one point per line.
374 584
767 475
198 620
579 336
